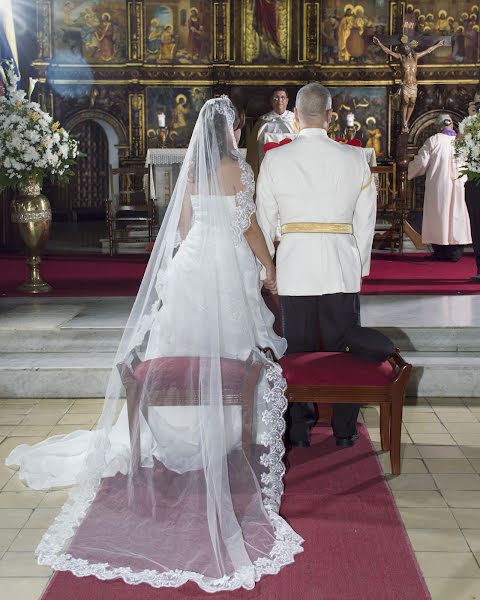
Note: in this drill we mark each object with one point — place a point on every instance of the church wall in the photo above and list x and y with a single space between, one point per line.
134 59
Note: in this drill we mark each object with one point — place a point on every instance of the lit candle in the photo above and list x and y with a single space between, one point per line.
161 119
350 120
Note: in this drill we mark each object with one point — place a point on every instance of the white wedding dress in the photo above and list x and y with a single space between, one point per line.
203 506
174 434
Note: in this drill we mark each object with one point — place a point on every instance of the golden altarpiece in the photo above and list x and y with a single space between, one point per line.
128 75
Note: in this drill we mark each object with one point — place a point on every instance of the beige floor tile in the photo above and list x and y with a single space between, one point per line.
442 588
440 439
473 538
28 499
15 409
438 540
14 518
416 401
467 439
409 465
10 419
54 499
10 443
64 429
33 430
425 428
27 540
462 499
449 465
42 518
464 428
443 402
470 451
420 417
6 429
457 417
6 539
42 419
428 518
421 499
16 588
475 462
451 481
5 474
448 564
22 564
78 419
467 518
55 404
15 485
409 451
412 481
440 451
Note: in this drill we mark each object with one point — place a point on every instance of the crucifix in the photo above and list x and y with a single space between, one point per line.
408 57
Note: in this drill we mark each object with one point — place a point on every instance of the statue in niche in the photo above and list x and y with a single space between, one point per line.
265 24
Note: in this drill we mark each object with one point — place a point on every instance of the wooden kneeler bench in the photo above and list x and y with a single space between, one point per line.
340 377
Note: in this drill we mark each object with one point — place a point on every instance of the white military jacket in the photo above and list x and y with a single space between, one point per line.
317 180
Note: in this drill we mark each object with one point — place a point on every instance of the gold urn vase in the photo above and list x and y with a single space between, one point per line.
32 214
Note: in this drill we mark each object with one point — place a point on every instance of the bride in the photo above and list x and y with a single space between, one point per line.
200 501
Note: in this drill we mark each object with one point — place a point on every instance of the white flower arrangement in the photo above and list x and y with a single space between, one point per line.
32 145
467 147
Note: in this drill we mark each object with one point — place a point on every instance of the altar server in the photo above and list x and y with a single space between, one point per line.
446 225
324 196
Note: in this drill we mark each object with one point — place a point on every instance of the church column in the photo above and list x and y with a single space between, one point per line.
136 108
44 29
135 31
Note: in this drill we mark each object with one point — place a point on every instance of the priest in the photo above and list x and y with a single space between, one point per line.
279 120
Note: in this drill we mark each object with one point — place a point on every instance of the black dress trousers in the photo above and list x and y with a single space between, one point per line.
472 198
312 324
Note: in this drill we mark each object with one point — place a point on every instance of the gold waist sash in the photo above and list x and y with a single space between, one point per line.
317 228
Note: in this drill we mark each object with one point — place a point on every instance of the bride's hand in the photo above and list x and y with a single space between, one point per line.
270 281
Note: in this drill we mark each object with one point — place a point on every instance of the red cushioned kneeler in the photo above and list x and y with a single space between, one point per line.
163 382
339 377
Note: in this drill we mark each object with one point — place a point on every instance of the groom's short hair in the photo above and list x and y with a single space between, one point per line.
313 100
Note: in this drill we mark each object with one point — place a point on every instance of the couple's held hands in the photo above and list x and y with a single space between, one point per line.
270 281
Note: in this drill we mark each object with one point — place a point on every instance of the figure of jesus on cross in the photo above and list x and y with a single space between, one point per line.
409 62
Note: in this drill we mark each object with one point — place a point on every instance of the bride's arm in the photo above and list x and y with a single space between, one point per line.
256 241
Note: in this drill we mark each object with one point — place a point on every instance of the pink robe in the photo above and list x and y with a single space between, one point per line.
445 215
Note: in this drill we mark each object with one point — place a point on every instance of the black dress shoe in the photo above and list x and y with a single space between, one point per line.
300 444
347 442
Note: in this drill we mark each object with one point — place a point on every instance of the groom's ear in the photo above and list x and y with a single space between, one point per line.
329 116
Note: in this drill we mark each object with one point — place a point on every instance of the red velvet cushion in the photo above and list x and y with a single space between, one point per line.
334 368
182 372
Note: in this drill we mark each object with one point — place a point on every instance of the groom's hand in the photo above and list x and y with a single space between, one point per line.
270 281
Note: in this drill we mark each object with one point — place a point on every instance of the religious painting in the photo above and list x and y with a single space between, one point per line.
369 107
172 113
458 19
178 31
266 31
90 31
347 30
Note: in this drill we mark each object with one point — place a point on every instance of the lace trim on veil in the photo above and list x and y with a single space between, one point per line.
287 542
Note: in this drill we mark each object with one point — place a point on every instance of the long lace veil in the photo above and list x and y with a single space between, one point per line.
192 492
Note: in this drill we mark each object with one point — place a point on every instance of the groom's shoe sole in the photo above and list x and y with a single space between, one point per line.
348 442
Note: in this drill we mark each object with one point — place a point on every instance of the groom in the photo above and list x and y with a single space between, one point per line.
323 195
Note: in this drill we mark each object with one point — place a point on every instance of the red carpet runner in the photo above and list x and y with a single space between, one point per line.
356 547
121 276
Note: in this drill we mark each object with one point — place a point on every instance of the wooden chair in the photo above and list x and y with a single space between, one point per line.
130 214
340 377
173 381
390 208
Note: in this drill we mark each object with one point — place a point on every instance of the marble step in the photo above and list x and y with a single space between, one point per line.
84 375
76 339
